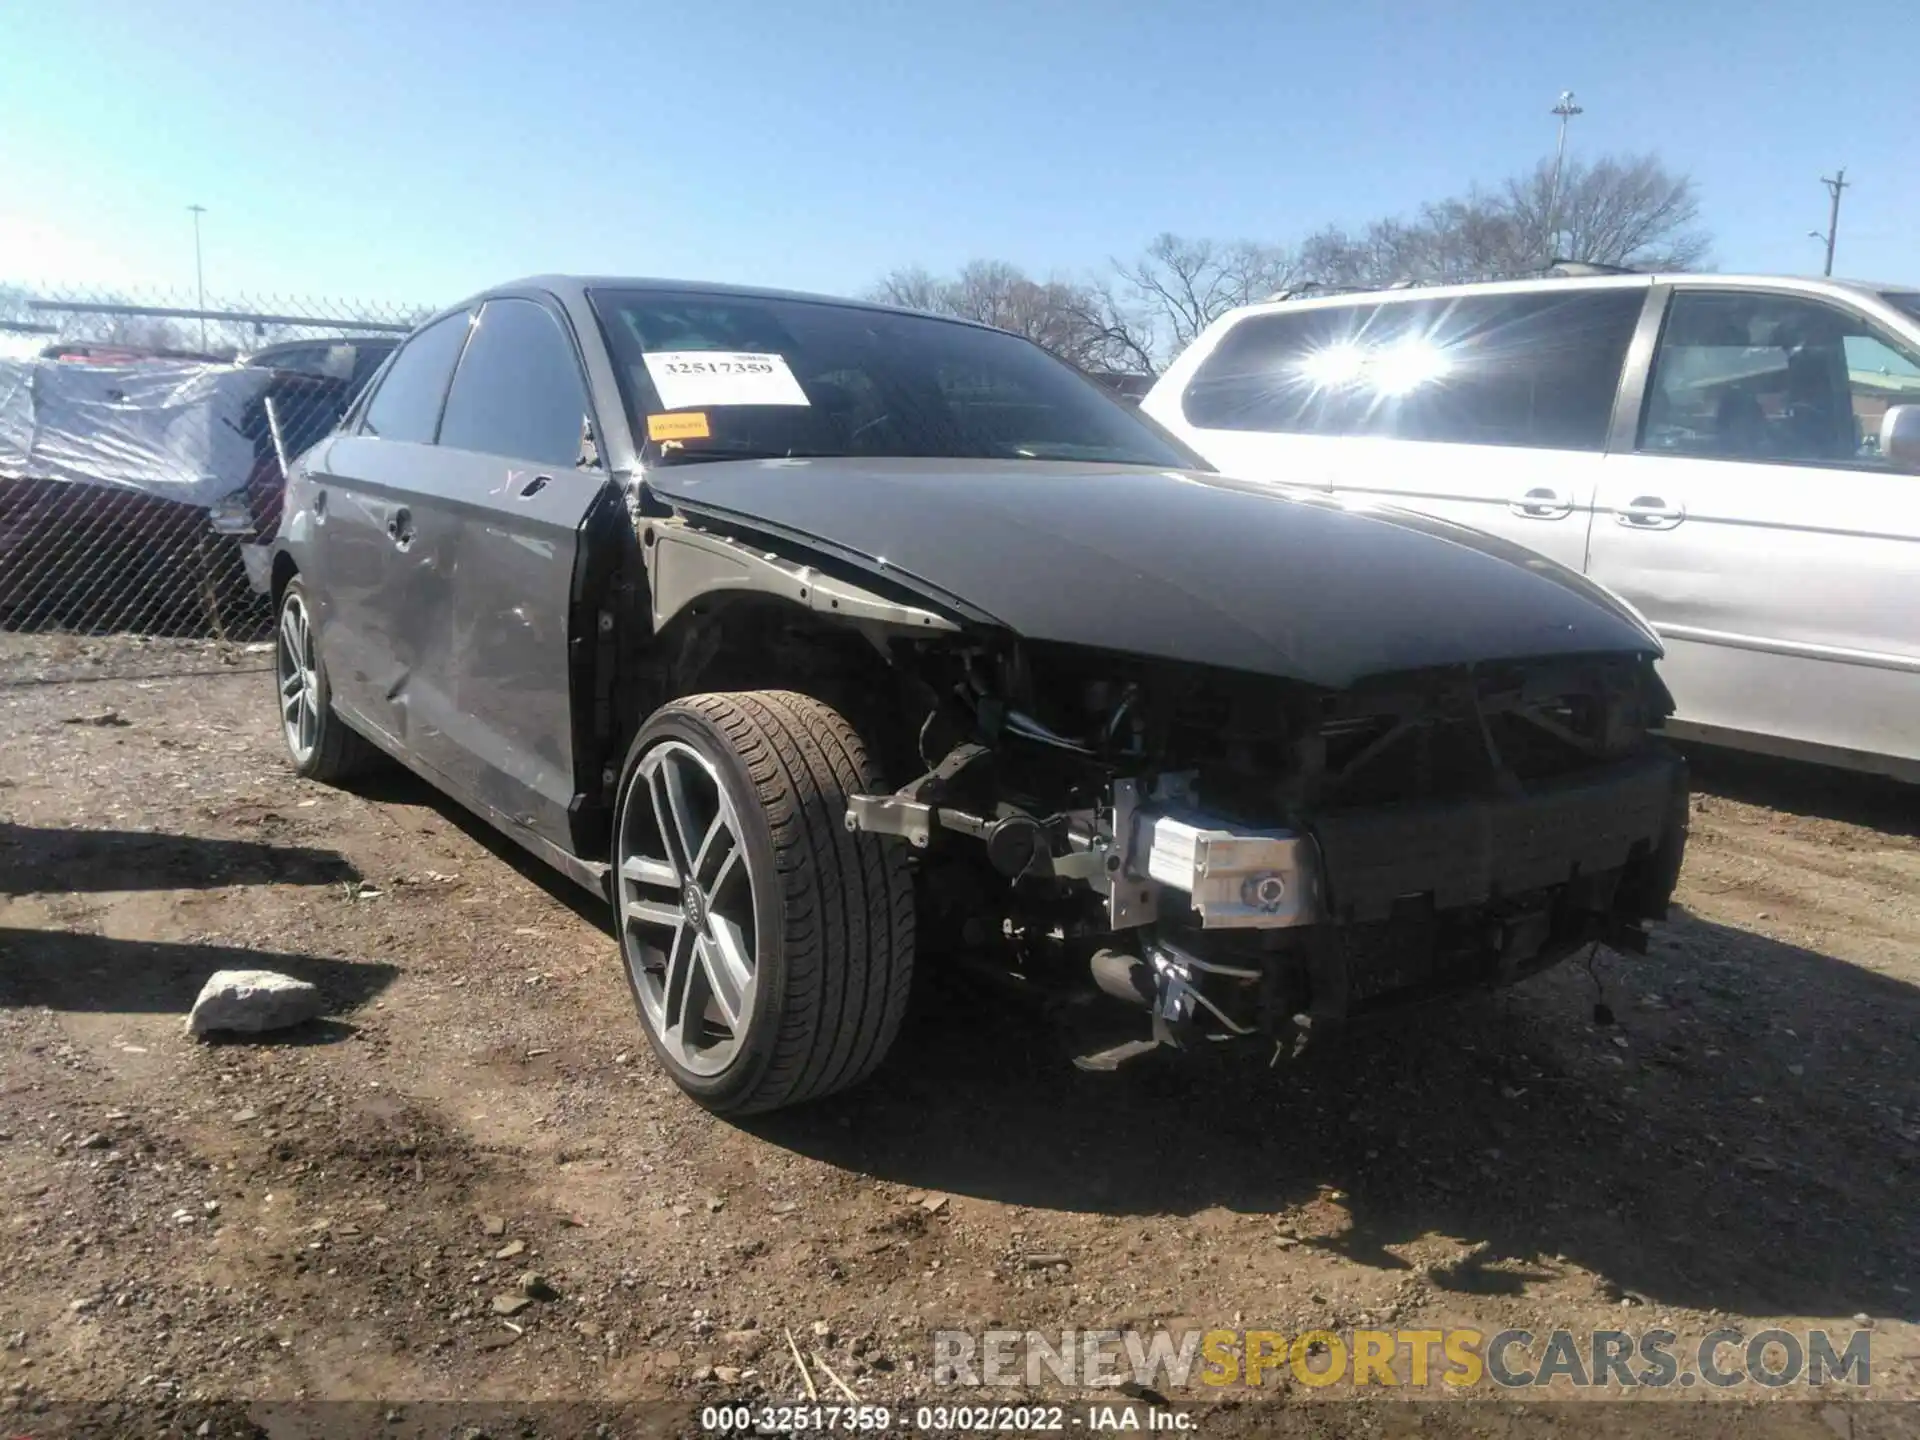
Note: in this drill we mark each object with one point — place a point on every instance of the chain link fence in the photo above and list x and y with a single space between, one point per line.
143 445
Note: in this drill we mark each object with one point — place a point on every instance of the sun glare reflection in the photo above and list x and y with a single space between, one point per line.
1409 365
1389 370
1335 365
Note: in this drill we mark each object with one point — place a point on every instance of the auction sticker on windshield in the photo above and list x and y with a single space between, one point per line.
691 426
722 377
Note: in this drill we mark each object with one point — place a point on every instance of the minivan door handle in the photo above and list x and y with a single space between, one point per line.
1543 502
400 527
535 486
1649 512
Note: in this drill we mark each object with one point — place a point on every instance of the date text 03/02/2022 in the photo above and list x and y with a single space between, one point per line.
942 1419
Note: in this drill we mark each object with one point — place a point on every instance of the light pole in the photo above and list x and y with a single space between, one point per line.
1566 110
199 274
1835 183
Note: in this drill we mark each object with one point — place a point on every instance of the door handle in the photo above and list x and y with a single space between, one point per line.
535 486
1650 512
1543 502
400 527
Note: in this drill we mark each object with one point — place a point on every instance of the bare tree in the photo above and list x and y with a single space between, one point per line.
1084 325
1631 211
998 293
1116 335
912 287
1614 211
1183 285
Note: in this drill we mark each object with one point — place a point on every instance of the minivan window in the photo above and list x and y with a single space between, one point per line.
518 391
758 376
1749 375
407 404
1538 369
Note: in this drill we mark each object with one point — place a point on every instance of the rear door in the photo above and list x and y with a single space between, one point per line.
1752 519
1490 409
376 578
517 478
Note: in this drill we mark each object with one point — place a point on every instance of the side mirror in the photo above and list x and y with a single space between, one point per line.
1900 437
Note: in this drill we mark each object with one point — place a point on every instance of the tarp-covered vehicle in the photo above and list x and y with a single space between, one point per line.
108 466
826 640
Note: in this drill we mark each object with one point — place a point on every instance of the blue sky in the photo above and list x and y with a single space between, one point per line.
409 153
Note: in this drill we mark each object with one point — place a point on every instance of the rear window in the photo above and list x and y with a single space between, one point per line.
1537 369
1907 301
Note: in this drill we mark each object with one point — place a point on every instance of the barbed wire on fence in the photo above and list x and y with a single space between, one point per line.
143 439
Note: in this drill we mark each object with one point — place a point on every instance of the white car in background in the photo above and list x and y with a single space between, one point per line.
1737 457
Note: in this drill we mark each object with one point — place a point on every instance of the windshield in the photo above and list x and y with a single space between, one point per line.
1904 300
709 376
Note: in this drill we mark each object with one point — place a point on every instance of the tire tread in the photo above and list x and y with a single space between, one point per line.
847 897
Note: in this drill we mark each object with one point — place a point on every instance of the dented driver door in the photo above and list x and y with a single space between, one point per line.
518 486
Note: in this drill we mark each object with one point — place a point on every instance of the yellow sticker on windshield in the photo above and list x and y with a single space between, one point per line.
691 425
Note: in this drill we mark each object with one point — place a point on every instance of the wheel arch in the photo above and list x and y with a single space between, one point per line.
284 569
741 640
719 611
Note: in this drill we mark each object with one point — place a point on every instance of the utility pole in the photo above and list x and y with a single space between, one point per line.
199 274
1566 110
1835 184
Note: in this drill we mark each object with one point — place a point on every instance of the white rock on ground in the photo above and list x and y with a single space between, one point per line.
252 1001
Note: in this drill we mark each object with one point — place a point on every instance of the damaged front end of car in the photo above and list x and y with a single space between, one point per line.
1255 765
1251 856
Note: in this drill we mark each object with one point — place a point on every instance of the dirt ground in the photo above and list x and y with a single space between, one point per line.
333 1214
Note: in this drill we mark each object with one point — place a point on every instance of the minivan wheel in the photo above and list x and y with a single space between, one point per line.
319 742
768 948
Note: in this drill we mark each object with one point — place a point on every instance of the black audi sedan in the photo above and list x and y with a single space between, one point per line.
827 640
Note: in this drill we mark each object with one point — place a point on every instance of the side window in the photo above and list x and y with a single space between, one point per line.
1880 375
1746 375
1279 372
407 404
518 391
1538 368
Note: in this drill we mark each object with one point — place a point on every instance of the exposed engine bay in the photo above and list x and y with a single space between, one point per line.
1247 856
1237 854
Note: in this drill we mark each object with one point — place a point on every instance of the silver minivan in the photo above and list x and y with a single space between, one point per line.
1737 457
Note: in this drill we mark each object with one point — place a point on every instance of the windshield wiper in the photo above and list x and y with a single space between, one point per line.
681 457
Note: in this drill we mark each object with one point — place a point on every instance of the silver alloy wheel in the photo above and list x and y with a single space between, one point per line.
686 908
299 684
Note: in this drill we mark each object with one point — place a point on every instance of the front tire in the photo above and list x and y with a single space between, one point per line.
318 741
768 948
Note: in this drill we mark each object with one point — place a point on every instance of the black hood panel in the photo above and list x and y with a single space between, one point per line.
1176 565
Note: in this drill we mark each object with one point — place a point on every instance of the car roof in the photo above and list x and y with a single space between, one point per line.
1809 284
574 290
